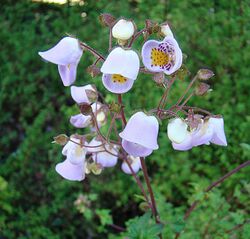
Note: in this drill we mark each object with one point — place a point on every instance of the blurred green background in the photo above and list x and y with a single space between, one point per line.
35 202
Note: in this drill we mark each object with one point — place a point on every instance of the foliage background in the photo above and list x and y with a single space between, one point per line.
35 202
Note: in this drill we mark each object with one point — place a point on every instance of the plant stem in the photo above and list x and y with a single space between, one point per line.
152 198
93 51
124 121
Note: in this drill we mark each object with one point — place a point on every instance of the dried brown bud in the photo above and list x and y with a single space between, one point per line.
85 109
159 78
202 88
114 107
93 70
107 19
144 206
152 27
92 95
61 139
204 74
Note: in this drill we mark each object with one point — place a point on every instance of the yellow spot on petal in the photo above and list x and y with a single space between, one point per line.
116 78
159 57
68 66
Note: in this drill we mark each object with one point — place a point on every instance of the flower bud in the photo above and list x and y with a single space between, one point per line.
152 27
92 95
123 30
85 109
96 168
166 31
159 78
107 19
202 89
93 70
61 139
205 74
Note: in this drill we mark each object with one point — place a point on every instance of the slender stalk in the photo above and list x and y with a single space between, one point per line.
152 198
124 121
187 89
136 36
93 51
210 187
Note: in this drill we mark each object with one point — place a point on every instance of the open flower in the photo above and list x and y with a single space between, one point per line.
82 121
66 54
134 162
120 70
123 30
83 94
74 167
103 154
164 56
208 131
139 138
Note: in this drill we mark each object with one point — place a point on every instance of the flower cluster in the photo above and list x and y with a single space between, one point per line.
137 138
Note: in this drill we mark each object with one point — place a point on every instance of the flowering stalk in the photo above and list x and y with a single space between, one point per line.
162 59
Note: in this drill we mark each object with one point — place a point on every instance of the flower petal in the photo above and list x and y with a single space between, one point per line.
143 130
184 145
80 120
68 73
122 62
106 159
135 150
219 136
177 130
135 165
116 87
65 52
78 93
71 171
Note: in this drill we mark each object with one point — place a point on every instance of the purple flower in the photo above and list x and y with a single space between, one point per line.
208 131
66 54
74 167
164 56
139 138
120 70
80 120
101 156
134 162
81 94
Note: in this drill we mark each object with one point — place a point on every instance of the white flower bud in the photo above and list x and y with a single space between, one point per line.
177 130
166 31
123 30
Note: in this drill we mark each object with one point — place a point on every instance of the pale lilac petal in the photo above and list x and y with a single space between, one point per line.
78 93
115 87
143 130
178 55
135 150
95 146
168 46
107 160
135 165
65 52
80 120
146 55
177 130
219 136
122 62
202 135
68 73
184 145
71 171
